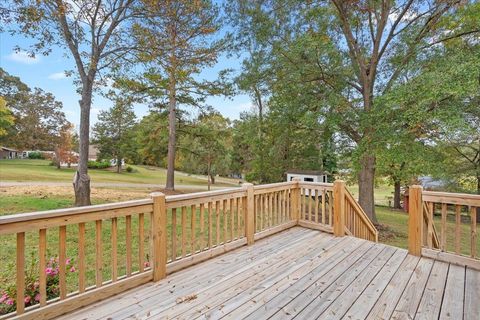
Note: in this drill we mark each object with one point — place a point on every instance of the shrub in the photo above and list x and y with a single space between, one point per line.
98 164
8 296
35 155
129 169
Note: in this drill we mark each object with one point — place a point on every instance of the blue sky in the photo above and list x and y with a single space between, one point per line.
47 73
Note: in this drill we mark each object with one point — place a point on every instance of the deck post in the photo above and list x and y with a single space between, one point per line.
296 193
415 217
249 214
159 236
339 208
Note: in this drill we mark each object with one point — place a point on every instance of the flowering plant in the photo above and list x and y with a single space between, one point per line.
8 295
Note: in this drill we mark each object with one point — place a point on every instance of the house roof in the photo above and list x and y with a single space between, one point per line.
306 172
8 149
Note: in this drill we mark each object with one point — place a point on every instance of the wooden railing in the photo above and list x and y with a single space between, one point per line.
68 258
357 222
444 226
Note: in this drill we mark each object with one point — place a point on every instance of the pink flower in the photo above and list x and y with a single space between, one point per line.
72 269
27 299
36 284
10 302
37 297
3 297
67 262
146 264
49 271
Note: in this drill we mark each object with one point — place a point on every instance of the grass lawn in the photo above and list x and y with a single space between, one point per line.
40 170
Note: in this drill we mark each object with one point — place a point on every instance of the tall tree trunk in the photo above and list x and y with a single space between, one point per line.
81 181
172 121
478 192
208 174
396 195
366 186
119 164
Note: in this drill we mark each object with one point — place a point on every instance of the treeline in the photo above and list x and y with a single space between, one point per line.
367 89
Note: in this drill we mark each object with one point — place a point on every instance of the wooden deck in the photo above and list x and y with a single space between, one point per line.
304 274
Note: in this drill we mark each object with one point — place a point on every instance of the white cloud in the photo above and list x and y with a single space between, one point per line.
96 110
23 57
57 76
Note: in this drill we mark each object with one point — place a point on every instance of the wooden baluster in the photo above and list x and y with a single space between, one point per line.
330 208
217 216
316 195
232 219
202 227
174 234
128 229
42 251
225 220
473 236
270 210
193 210
284 205
239 233
20 272
62 257
184 231
141 242
210 225
81 257
98 254
430 225
113 236
458 221
324 199
443 230
279 207
309 199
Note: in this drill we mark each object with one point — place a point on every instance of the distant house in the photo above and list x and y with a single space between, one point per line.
93 152
8 153
430 183
307 175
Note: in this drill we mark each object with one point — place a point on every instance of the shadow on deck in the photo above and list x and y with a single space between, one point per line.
305 274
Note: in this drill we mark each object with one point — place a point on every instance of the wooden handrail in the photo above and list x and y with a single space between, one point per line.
365 221
424 238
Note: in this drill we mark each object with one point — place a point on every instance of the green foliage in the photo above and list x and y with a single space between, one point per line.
99 164
35 155
6 118
38 116
114 131
129 169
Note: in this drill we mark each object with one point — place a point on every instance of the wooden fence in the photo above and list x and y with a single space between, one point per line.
444 226
123 245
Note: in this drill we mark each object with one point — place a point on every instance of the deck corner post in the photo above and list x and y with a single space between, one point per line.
249 214
339 208
415 217
296 193
159 236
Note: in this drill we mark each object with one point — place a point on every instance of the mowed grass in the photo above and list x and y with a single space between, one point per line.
394 230
24 170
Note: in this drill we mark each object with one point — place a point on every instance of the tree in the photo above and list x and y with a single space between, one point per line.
344 55
93 32
176 40
206 144
6 118
113 131
64 150
38 116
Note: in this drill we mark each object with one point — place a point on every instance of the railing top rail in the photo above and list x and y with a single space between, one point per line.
316 184
452 198
21 217
274 185
203 194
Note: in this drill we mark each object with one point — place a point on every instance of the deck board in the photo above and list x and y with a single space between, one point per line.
303 274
